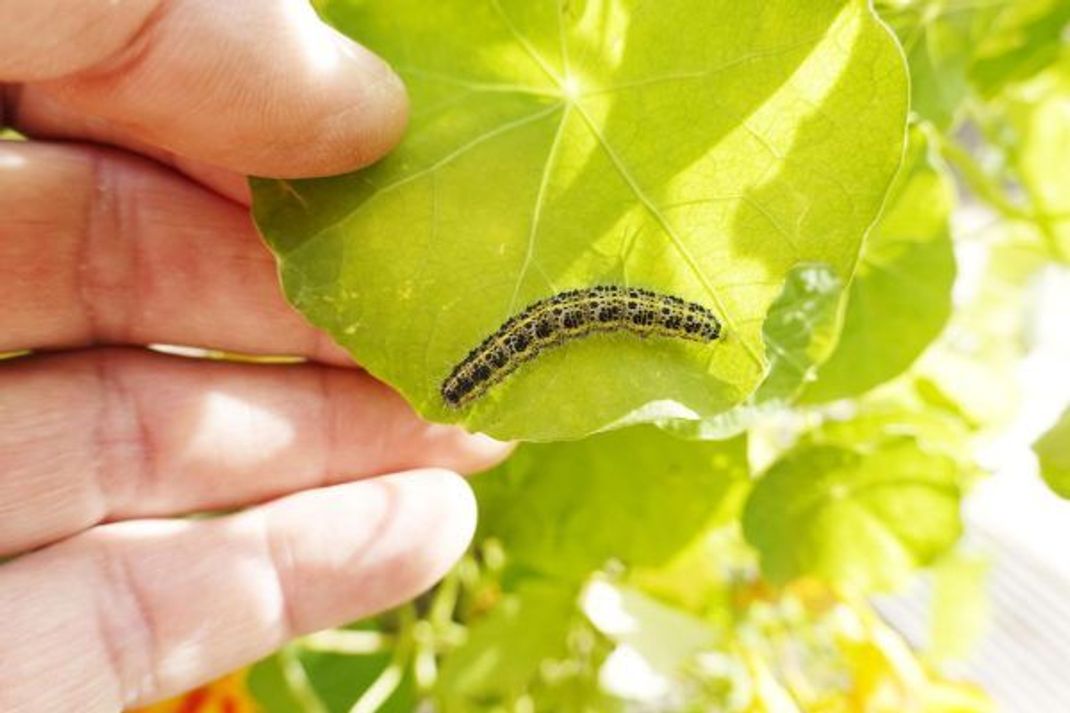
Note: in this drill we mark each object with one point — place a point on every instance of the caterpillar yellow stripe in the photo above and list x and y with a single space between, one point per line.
569 316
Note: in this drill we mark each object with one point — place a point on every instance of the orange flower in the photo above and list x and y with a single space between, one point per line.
227 695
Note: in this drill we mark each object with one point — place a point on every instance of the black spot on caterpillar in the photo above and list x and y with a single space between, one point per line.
572 315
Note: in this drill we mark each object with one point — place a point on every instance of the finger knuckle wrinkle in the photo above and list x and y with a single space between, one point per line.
127 626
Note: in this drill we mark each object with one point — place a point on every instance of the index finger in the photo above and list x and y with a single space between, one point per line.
261 87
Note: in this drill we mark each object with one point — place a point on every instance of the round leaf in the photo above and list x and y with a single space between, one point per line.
900 299
637 496
860 518
693 147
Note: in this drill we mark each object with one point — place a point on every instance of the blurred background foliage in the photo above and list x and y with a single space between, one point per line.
638 570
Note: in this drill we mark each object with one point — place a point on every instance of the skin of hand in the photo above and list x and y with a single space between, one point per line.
124 222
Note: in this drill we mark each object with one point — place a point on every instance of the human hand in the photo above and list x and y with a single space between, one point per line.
130 227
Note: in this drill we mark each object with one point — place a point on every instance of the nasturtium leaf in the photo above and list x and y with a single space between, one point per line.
658 638
874 423
900 298
1039 113
705 577
505 649
336 680
701 148
1053 452
799 332
861 518
340 680
636 495
939 41
975 372
959 50
1025 38
268 685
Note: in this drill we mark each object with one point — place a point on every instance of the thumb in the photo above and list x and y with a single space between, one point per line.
257 86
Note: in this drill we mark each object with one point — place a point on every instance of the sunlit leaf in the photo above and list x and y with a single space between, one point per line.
1039 112
637 495
972 369
799 333
701 577
875 422
272 691
862 518
315 680
505 649
900 298
1053 452
341 680
663 636
1025 38
699 148
939 40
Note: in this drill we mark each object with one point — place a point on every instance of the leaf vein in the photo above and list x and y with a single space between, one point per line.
666 226
474 85
445 160
540 199
706 73
526 44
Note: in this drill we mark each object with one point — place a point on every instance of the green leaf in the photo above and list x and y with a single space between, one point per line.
1039 113
976 373
863 518
936 430
695 147
939 39
703 578
340 680
1025 38
900 298
663 635
268 684
504 650
315 681
958 49
637 495
1053 452
799 332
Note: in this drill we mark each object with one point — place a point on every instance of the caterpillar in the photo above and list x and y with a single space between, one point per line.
569 316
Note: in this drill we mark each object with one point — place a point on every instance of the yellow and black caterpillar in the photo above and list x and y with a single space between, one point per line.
569 316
